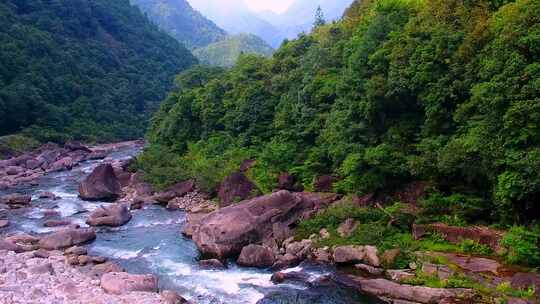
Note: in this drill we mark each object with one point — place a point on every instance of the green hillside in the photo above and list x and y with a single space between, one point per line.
225 53
181 21
443 91
88 69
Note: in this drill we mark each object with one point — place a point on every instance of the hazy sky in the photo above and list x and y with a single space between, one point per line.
277 6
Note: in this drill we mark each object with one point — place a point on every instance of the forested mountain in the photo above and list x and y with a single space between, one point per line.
442 91
89 69
181 21
225 53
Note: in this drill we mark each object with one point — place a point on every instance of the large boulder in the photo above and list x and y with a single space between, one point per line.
235 188
101 184
67 238
121 282
175 191
256 256
223 233
113 216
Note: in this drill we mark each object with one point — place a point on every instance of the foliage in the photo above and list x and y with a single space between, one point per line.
224 53
15 144
400 90
521 245
91 70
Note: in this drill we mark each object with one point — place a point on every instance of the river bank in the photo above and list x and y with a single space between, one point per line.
241 252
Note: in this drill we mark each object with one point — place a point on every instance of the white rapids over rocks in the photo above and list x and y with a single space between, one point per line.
152 243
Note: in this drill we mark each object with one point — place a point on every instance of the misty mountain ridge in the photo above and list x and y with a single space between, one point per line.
236 17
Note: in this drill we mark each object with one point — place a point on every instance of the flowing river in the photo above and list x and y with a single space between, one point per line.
152 243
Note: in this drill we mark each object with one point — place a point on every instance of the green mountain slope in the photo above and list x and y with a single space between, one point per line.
90 69
225 53
441 91
181 21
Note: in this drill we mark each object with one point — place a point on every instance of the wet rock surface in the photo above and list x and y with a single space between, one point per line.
101 184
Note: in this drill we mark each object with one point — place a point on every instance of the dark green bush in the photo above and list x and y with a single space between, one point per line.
522 247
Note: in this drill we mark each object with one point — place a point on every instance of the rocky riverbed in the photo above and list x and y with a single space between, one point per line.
123 243
32 278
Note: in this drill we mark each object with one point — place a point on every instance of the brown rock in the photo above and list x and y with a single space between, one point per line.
14 170
389 257
292 276
101 184
65 163
122 282
23 238
299 249
400 275
369 269
442 272
75 250
256 256
192 223
171 297
225 232
16 199
236 188
67 238
322 255
48 195
418 294
42 269
177 190
101 269
474 264
76 146
41 254
56 223
113 216
211 264
288 182
10 246
325 183
483 235
347 228
349 254
371 256
524 281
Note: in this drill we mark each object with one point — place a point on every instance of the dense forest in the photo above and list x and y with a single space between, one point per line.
181 21
225 53
86 69
443 91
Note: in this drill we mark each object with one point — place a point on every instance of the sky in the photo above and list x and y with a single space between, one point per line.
278 6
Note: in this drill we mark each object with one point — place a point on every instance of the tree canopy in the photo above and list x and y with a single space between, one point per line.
86 69
445 91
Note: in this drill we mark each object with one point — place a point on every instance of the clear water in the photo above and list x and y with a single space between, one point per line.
152 243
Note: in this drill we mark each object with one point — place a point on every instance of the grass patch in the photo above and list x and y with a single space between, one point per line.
16 144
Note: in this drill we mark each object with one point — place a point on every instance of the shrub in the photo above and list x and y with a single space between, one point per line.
522 246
